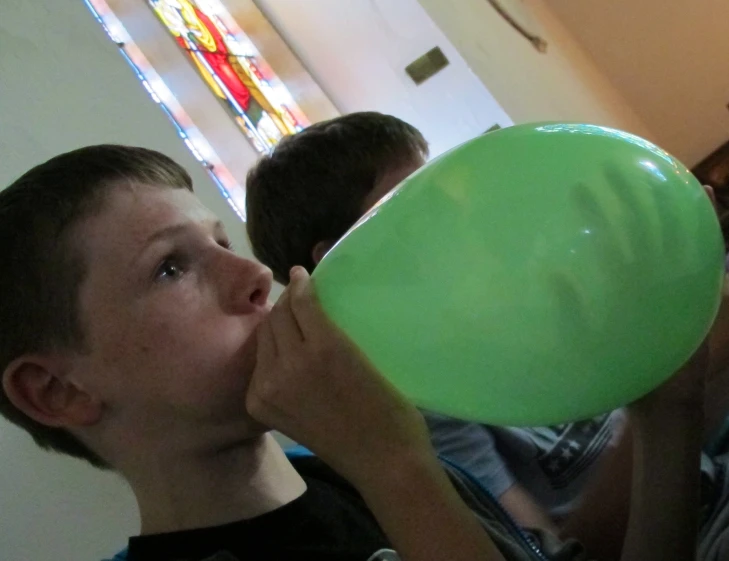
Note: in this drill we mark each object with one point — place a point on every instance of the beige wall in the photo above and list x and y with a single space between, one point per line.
563 84
358 50
670 59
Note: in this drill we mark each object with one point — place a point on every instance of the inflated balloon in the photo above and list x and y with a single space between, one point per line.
534 275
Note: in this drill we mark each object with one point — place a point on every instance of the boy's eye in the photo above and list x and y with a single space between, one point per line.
170 269
224 243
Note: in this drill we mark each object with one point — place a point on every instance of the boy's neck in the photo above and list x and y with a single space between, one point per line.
240 483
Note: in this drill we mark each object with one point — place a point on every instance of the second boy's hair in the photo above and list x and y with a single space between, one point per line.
312 187
41 268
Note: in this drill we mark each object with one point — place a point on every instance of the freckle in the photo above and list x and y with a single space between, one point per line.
145 349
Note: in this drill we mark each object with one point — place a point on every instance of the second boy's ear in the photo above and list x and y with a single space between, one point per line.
36 386
712 195
321 249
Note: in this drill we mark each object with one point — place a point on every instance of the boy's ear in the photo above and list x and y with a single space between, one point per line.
321 249
38 387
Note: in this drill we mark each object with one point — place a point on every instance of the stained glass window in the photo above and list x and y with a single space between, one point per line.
161 94
233 69
231 66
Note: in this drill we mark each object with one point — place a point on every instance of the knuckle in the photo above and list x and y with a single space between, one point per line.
299 298
254 405
268 390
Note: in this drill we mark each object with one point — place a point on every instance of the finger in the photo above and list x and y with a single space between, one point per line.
265 344
284 326
700 358
305 305
712 196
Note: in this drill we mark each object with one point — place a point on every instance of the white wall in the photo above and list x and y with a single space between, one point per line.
670 59
64 85
358 50
563 84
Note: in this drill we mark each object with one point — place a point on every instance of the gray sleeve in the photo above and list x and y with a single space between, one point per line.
714 535
472 447
714 541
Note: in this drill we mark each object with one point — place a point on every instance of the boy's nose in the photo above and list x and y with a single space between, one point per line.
249 286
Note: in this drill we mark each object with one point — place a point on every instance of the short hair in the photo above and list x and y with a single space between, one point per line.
40 267
313 186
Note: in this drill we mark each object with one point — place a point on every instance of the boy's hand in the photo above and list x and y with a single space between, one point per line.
685 390
314 385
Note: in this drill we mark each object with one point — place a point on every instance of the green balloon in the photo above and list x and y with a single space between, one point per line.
536 275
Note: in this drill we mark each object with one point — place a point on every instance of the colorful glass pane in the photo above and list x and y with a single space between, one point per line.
233 69
161 94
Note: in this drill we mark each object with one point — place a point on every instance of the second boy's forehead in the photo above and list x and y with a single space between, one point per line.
391 179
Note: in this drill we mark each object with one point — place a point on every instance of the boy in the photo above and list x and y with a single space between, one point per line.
305 196
134 338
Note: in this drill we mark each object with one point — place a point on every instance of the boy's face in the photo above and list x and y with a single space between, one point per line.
384 185
392 179
169 313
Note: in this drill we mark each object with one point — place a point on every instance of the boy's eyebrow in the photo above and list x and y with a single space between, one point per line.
174 230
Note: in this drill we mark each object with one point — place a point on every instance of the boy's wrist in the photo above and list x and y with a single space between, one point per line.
665 476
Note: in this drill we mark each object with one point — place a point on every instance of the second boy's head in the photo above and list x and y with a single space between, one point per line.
306 195
126 319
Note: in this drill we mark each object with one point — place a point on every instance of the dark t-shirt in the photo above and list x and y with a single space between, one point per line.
329 522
